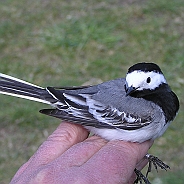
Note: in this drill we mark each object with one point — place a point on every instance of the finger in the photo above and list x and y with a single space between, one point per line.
80 153
141 164
65 136
116 161
59 141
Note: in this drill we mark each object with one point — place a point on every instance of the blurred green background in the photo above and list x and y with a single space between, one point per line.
65 43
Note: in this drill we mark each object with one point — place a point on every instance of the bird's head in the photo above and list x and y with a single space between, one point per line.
143 77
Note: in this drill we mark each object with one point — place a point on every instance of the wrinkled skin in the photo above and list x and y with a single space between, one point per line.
69 156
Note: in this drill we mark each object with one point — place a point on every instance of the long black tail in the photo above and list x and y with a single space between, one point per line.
19 88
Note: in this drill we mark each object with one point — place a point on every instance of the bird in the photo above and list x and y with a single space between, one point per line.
136 108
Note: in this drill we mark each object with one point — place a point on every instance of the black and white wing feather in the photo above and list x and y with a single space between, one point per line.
83 109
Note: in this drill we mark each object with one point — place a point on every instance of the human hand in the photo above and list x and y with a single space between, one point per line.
69 157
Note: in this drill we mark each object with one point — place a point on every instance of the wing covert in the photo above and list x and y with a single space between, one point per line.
83 109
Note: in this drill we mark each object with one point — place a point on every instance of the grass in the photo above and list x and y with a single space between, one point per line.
62 43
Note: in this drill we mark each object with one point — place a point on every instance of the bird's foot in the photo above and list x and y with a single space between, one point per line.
152 160
140 177
156 162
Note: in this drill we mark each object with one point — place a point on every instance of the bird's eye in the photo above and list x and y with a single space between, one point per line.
148 80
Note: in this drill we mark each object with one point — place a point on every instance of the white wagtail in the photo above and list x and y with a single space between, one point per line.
136 108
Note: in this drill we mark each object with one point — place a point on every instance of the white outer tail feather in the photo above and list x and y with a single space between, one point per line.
26 97
18 80
4 77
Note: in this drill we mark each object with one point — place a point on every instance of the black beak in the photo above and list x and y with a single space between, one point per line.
130 90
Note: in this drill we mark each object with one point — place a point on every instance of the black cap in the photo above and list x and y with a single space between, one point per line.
145 67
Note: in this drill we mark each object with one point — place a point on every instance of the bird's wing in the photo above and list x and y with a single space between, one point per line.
82 109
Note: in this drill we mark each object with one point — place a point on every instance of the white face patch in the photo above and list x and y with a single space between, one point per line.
144 80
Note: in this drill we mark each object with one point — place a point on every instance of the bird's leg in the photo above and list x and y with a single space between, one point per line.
152 160
140 177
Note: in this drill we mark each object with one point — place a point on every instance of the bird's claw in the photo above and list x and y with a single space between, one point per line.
156 162
140 177
152 160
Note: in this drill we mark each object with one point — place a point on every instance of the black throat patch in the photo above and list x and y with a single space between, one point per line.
163 97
